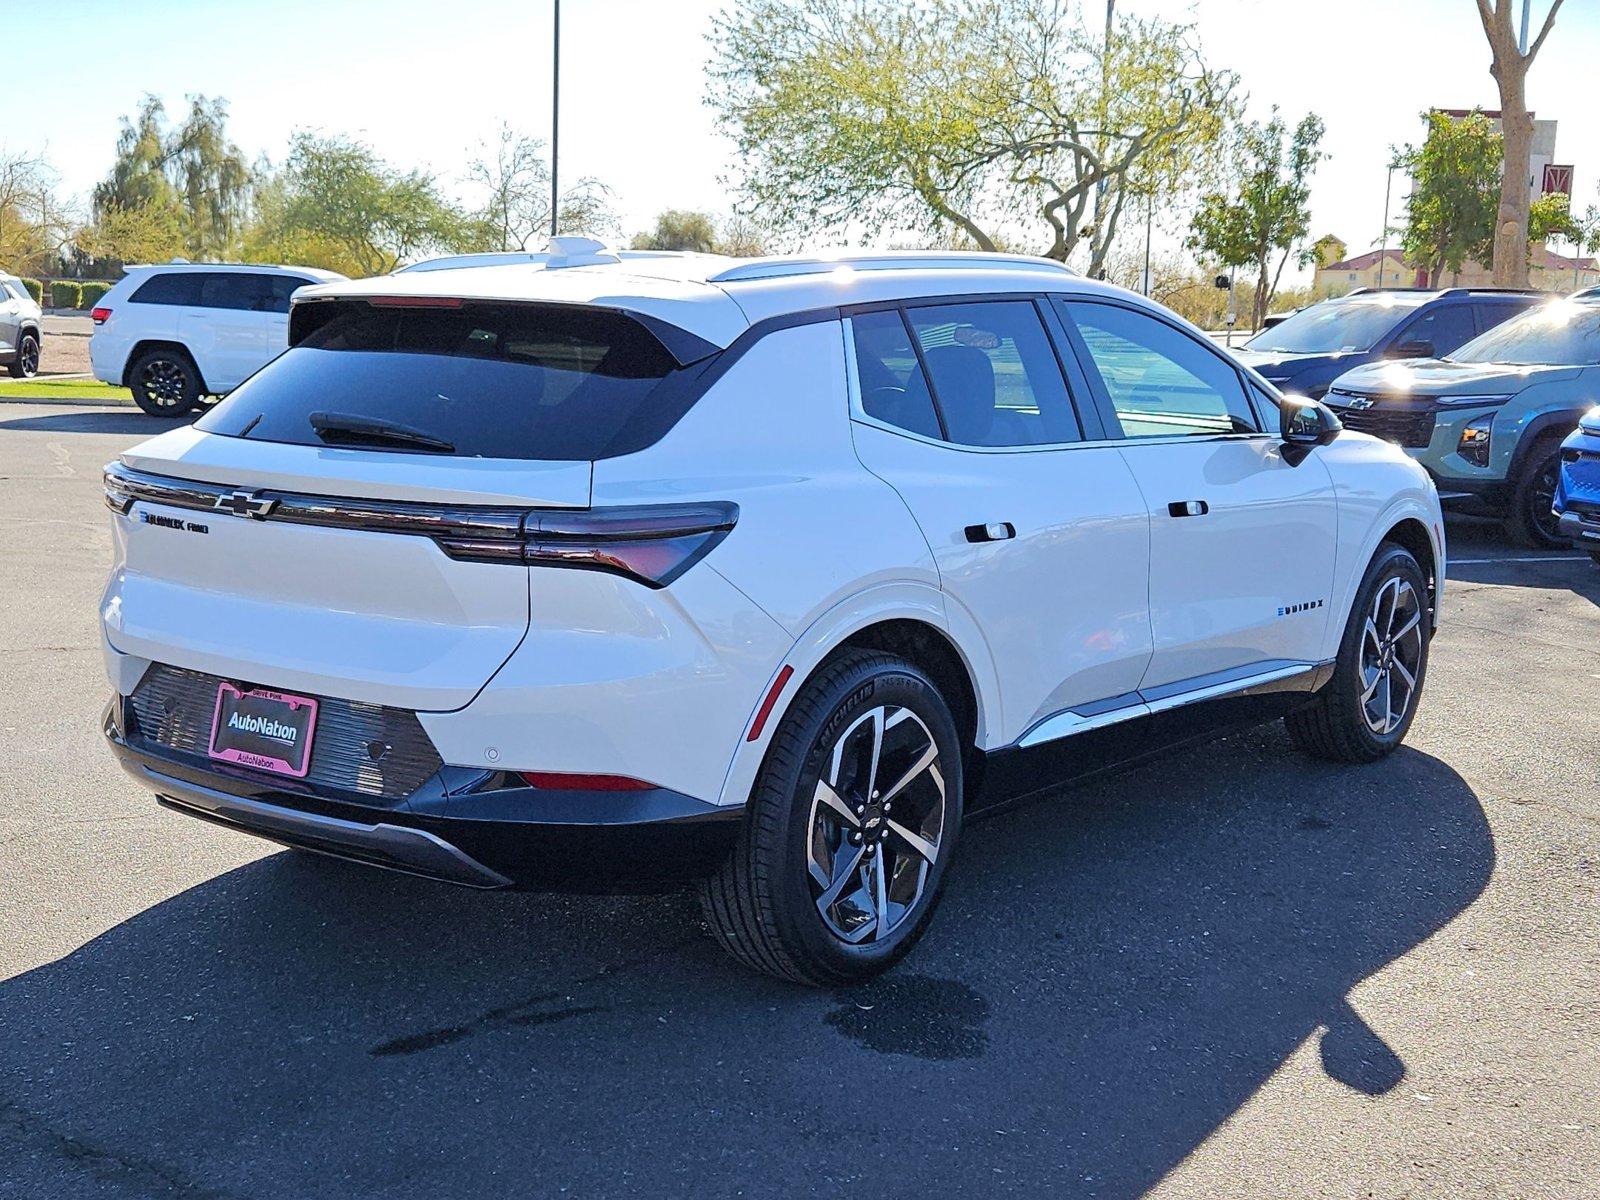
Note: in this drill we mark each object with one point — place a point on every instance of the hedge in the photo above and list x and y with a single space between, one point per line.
66 293
35 289
92 293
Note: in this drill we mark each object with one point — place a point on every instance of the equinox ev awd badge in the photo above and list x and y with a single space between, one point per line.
245 504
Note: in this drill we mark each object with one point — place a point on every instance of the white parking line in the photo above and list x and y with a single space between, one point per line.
1478 562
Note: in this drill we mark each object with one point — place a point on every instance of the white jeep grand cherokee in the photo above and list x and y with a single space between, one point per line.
615 570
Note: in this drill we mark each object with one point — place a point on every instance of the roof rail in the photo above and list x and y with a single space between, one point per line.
1367 291
903 260
1514 291
590 254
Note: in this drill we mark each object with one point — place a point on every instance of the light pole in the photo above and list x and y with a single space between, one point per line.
1383 252
1149 227
555 117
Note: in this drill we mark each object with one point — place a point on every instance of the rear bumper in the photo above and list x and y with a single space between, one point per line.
525 838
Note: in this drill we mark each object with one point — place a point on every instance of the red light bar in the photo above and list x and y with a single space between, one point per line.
562 782
415 301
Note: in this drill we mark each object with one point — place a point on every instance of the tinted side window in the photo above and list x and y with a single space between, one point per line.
283 286
893 389
1445 327
995 377
174 287
245 292
1492 314
1161 382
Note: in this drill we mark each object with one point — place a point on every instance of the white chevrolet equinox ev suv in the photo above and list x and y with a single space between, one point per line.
614 570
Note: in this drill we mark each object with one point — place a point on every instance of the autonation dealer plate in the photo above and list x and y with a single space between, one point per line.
268 730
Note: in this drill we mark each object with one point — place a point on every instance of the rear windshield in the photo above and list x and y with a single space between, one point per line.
475 381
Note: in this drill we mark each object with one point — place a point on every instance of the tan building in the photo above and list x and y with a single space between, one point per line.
1549 272
1372 269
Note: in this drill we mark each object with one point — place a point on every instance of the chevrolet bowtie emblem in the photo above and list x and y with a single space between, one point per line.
245 504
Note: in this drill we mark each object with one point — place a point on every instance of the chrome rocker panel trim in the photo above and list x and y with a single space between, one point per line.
1148 702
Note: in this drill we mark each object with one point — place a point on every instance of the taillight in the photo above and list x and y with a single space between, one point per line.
653 543
562 781
99 315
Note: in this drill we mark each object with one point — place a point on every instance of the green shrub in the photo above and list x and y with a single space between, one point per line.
35 289
93 291
66 293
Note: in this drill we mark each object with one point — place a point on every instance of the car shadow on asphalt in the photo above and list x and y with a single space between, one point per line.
1113 973
1480 553
122 422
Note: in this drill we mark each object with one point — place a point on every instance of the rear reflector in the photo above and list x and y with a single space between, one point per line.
99 315
765 710
557 781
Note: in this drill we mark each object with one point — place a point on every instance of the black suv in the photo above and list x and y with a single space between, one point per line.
1312 348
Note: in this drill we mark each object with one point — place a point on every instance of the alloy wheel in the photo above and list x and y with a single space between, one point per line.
1391 655
29 357
1542 500
164 382
876 824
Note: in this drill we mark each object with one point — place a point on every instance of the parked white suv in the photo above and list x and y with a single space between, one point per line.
21 328
765 573
175 332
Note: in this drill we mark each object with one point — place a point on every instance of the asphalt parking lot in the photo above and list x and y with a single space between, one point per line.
1231 972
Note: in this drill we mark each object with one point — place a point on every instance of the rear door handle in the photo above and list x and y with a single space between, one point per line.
994 531
1188 508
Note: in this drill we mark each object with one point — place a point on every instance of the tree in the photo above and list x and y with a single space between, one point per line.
1267 214
34 224
680 229
1455 185
998 120
140 233
1550 216
1510 70
515 179
337 204
192 170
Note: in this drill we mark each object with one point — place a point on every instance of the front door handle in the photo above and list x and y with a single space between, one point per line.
994 531
1188 508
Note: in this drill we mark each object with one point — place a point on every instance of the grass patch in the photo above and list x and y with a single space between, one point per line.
63 389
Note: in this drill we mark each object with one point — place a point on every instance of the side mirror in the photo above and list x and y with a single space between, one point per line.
1412 350
1306 425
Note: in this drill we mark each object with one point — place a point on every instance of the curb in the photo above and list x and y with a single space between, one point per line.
69 401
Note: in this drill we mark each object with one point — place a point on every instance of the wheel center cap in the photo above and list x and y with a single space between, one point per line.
872 819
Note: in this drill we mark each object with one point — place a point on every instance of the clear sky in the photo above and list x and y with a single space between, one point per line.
424 80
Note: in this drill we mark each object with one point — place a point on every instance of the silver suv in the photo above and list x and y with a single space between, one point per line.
21 328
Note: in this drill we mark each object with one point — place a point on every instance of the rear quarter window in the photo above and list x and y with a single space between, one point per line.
173 287
523 381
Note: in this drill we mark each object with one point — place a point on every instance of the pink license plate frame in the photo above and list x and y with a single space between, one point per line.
263 762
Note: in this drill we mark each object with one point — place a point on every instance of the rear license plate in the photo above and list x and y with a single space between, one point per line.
268 730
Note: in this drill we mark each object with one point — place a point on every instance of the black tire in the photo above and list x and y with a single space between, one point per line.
1529 521
1594 556
768 904
26 365
1338 724
165 383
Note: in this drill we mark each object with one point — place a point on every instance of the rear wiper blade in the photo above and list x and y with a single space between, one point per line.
349 429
